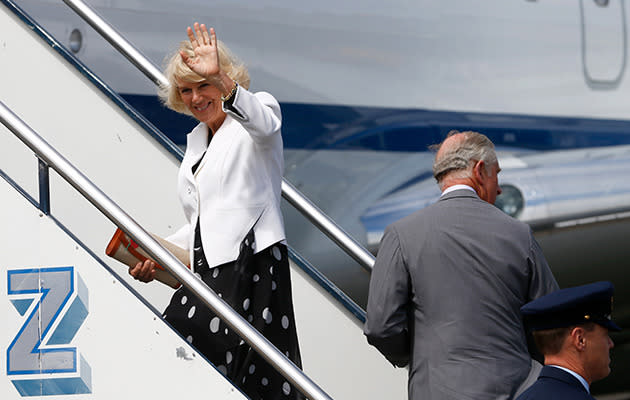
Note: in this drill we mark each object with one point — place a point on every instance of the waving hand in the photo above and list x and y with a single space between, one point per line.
206 60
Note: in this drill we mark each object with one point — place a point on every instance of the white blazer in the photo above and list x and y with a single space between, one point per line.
238 180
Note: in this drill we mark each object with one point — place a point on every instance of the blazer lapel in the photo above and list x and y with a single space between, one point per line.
220 140
196 143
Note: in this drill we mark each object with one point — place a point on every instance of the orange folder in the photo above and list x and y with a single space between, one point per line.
124 249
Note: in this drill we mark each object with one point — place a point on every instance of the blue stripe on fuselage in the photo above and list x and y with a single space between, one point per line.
316 126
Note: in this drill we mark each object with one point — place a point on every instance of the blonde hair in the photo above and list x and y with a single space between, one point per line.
176 69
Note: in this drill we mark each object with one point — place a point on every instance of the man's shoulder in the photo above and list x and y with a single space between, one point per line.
455 203
464 201
549 389
554 383
412 220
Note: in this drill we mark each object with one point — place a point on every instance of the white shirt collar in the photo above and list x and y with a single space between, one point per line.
576 375
457 187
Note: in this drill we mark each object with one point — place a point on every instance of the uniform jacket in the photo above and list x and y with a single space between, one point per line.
445 295
238 180
554 383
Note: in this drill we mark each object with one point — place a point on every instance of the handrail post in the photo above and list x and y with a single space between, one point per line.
44 186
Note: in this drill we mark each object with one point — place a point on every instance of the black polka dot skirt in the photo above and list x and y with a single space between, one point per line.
257 286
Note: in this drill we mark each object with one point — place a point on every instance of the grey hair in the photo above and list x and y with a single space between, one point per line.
458 160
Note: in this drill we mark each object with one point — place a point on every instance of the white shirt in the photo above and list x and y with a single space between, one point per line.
456 187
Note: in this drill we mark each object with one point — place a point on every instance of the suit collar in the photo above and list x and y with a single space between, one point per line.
457 187
459 193
558 374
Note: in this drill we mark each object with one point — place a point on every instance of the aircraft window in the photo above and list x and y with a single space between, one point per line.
76 40
510 201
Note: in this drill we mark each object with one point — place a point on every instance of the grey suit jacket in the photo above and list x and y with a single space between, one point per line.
445 295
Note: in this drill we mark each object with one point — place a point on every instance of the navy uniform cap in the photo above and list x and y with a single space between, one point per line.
572 306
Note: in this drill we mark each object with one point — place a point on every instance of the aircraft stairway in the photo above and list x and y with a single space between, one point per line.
104 338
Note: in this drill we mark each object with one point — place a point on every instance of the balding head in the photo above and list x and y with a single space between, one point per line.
451 144
458 156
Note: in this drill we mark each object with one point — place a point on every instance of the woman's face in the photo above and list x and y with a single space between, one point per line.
204 102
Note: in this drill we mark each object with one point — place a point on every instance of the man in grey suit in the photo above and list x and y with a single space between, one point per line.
449 281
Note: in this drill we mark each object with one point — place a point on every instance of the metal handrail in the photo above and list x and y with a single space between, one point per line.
327 225
120 43
323 222
113 212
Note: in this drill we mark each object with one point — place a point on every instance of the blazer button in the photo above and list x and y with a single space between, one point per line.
189 190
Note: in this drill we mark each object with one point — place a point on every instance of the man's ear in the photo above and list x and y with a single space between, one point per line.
479 171
578 338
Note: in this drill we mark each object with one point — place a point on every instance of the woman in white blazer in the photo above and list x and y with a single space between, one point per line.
230 187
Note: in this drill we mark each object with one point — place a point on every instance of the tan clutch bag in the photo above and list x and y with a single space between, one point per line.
124 249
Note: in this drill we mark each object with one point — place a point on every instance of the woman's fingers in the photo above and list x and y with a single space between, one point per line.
201 39
213 37
204 34
205 61
199 36
143 271
184 57
134 271
191 37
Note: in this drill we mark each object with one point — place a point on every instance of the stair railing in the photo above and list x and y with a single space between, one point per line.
48 155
